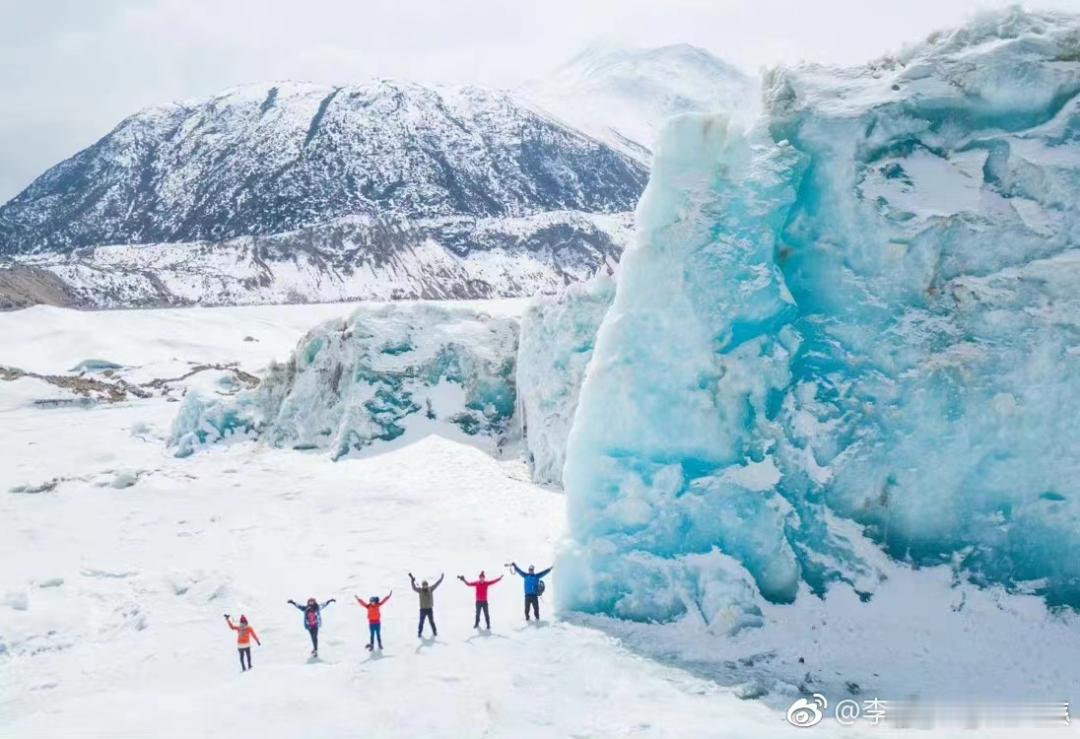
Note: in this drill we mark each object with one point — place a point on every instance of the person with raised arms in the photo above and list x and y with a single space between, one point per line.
312 620
426 593
534 588
481 585
374 618
244 635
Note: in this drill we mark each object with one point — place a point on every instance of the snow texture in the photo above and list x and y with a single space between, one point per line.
861 307
557 338
347 260
385 374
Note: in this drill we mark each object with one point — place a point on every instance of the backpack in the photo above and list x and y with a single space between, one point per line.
311 618
540 587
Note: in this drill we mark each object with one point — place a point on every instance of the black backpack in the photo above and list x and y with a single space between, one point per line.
540 588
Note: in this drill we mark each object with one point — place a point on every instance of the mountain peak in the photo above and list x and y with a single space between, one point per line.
604 57
277 156
622 95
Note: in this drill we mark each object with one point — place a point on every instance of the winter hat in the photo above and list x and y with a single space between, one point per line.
243 619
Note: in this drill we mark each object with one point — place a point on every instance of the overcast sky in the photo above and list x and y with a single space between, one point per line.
71 69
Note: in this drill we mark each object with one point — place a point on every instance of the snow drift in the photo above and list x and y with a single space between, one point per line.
864 306
386 374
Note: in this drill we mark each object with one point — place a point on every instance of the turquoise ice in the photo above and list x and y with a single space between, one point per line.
386 375
867 307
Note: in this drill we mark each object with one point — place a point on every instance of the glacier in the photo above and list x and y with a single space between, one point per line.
853 318
505 383
385 376
557 338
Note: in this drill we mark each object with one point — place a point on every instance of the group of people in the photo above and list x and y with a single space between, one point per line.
312 610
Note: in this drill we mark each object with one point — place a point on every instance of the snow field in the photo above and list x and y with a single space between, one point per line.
111 618
113 584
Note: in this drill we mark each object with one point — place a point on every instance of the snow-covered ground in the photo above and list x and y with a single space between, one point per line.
113 582
111 620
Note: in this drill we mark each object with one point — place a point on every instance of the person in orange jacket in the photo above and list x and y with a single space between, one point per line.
374 618
244 635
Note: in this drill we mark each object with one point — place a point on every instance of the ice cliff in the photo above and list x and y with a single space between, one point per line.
417 369
866 306
389 373
557 337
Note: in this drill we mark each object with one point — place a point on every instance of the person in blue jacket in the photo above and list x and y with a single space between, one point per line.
533 588
312 620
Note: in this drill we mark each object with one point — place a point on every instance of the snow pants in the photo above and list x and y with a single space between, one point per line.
534 601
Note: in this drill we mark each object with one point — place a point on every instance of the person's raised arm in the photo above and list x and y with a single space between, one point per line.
492 582
386 599
332 600
439 581
542 573
296 605
359 600
517 569
470 584
230 623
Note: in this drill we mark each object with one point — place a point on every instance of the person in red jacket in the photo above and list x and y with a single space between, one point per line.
244 635
374 618
481 585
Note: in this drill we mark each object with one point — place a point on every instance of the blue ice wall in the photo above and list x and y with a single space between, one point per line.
558 334
865 307
387 374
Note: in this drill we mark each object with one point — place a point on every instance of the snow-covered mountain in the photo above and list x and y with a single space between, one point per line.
349 259
267 159
622 96
292 192
422 191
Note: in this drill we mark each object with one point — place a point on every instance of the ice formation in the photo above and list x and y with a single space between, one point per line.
387 374
557 337
418 369
864 306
